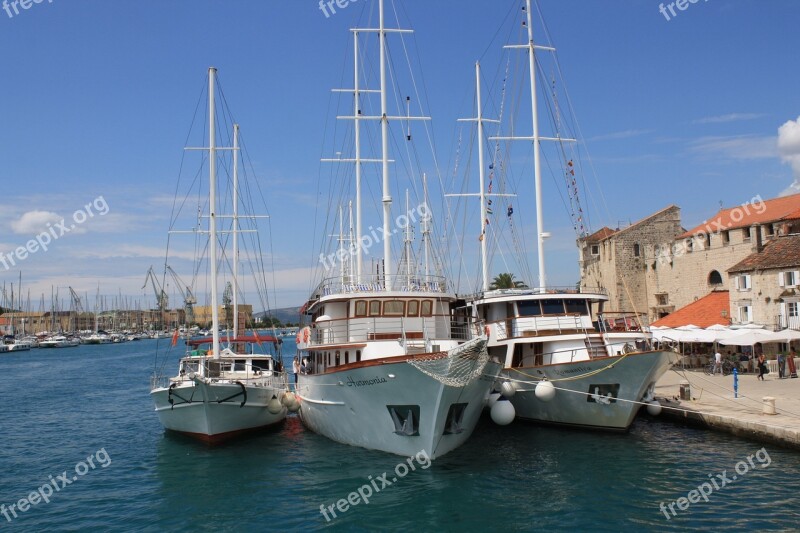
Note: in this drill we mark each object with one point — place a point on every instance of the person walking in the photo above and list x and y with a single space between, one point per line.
792 367
762 367
717 363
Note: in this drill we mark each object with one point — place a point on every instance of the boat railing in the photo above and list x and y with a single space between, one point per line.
534 326
406 329
376 283
522 291
621 322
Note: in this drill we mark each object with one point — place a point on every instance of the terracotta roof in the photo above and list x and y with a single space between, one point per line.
748 214
703 313
794 215
600 235
781 252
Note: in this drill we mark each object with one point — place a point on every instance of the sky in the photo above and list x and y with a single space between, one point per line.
698 109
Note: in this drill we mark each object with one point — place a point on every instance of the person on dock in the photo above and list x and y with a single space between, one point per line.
762 366
781 366
717 363
792 367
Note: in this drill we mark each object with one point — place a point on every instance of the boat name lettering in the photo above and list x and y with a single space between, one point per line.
365 382
573 370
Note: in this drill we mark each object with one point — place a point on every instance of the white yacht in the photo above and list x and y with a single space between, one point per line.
388 363
222 390
566 361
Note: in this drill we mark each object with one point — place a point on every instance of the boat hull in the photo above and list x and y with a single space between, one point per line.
214 412
583 388
354 406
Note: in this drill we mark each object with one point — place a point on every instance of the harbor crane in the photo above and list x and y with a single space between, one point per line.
189 299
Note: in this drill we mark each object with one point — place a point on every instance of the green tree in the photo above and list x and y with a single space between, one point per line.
506 281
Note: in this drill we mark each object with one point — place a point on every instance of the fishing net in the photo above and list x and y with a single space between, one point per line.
456 367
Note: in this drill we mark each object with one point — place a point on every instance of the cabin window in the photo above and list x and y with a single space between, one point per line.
394 308
361 308
375 308
405 419
239 365
577 307
338 358
427 308
529 308
553 307
346 357
358 356
413 308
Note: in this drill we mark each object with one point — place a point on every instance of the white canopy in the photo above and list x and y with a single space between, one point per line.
749 337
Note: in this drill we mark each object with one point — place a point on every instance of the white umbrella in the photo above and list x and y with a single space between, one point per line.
749 337
788 335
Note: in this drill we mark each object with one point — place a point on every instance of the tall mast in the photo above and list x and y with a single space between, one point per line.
481 173
235 231
426 231
212 212
536 139
387 199
357 127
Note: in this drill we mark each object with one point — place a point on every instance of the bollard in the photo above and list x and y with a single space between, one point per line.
769 405
735 383
686 390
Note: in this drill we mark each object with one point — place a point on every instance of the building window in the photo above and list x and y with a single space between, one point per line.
788 279
595 250
689 244
708 241
770 230
662 299
792 309
715 278
637 250
726 238
745 314
743 282
746 234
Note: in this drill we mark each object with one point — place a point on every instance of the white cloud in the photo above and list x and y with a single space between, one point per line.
739 147
789 148
34 222
620 135
730 117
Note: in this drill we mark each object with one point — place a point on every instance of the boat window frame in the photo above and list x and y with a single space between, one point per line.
415 304
387 313
356 312
423 304
370 306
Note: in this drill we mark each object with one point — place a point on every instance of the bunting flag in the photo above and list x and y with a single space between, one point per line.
490 187
510 210
489 201
488 210
480 239
175 337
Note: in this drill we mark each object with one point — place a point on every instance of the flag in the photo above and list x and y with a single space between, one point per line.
175 337
489 210
510 210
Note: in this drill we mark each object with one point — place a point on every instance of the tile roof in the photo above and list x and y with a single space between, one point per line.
742 216
780 252
600 235
703 313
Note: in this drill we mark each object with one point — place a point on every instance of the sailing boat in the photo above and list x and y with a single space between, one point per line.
387 364
220 392
565 362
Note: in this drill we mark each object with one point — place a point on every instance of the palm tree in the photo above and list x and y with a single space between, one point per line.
506 281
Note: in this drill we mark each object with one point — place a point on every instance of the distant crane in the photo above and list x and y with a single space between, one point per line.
162 300
186 293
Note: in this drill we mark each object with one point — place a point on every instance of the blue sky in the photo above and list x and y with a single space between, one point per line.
97 97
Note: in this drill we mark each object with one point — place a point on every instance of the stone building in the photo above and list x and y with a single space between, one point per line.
766 285
656 267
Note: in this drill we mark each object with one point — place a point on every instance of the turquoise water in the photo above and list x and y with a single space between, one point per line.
61 407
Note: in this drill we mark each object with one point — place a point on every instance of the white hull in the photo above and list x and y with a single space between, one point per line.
197 410
351 406
624 377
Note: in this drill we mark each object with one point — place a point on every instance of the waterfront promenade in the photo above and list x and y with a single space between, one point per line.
713 404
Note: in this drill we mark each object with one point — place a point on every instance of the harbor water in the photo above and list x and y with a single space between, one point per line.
78 427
